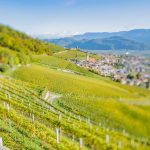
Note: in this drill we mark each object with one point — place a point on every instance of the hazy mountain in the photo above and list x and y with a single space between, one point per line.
111 43
139 35
95 35
138 39
63 41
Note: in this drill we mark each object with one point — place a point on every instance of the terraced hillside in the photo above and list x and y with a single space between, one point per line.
99 99
29 122
47 102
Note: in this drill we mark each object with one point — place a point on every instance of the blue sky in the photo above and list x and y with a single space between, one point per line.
74 16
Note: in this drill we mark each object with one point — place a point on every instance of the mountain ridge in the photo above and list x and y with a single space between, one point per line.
94 35
140 39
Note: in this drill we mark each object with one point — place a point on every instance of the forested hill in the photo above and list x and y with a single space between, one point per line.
21 42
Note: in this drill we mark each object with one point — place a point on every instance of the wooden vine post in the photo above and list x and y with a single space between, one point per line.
59 117
107 139
1 142
29 105
8 108
33 118
80 144
119 145
4 104
132 143
79 118
57 135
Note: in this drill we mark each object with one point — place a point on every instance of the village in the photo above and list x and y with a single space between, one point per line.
125 68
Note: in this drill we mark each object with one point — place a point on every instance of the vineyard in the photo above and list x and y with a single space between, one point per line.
88 110
49 103
31 122
59 64
74 54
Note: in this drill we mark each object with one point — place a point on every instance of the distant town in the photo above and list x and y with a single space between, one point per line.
124 68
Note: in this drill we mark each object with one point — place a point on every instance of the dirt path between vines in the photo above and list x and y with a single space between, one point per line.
50 97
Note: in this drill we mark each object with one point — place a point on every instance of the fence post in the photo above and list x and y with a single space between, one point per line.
132 143
1 142
79 118
107 139
8 108
119 144
57 135
32 117
124 132
80 144
5 104
59 117
29 105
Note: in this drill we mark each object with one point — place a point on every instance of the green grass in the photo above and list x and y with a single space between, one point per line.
74 54
91 107
20 131
97 98
80 85
58 63
38 134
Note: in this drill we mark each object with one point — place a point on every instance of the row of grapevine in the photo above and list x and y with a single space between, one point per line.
43 125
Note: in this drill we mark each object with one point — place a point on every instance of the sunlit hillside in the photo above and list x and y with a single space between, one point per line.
47 102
